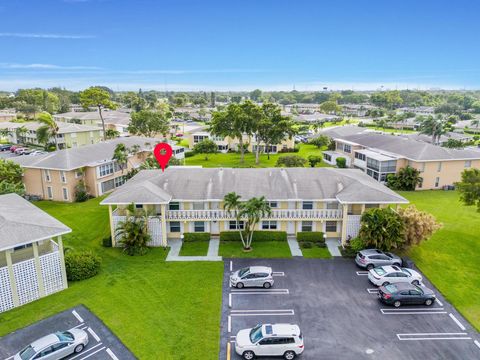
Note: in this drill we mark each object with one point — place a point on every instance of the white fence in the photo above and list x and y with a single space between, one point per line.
353 225
154 229
26 280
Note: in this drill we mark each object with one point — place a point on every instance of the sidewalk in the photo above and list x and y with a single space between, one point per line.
332 245
176 245
294 247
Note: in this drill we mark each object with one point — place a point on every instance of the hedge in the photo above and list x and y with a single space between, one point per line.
189 154
81 265
257 236
196 236
312 236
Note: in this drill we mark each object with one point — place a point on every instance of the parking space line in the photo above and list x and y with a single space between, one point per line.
476 343
79 318
278 273
112 355
229 350
88 350
86 357
438 302
287 312
11 357
259 291
229 323
362 273
460 325
95 336
230 300
372 291
82 324
433 336
412 311
231 265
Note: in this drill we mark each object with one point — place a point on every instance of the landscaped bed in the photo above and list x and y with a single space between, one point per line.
260 249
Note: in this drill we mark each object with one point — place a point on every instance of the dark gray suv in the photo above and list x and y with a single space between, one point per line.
370 258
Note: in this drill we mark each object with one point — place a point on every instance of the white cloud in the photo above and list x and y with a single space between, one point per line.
45 67
46 36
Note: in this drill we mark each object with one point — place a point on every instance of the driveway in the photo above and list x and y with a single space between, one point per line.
340 316
103 344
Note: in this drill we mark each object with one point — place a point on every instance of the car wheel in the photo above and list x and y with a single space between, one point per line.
78 348
397 303
385 283
415 282
370 267
239 285
429 302
289 355
267 285
248 355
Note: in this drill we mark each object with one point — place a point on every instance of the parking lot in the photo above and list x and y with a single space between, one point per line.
103 344
340 316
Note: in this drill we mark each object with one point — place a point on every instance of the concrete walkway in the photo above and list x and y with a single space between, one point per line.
294 247
332 245
176 245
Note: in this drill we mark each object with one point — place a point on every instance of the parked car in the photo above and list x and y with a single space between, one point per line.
55 346
38 152
252 276
21 150
270 340
370 258
405 294
384 275
14 147
5 147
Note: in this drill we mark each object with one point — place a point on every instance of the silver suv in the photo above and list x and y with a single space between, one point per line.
370 258
253 276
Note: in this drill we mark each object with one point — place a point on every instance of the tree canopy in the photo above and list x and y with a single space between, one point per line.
149 123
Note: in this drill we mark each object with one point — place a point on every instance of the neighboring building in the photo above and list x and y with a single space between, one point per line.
302 199
443 139
227 143
466 125
54 176
69 134
419 110
302 108
359 110
31 262
114 119
410 124
7 115
316 118
380 154
346 130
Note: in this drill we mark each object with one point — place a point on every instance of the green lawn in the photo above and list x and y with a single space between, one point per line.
450 259
261 249
194 248
233 159
316 252
156 308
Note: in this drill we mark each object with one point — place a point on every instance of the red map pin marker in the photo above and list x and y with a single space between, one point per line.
163 152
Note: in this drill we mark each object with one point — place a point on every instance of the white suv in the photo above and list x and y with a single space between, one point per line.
269 340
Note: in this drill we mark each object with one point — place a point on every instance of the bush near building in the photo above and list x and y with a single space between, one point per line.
312 236
195 237
257 236
81 265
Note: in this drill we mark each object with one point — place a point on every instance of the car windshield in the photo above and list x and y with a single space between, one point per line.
256 334
379 271
407 272
27 353
65 336
391 288
243 271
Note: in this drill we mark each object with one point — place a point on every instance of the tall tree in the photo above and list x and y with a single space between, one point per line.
406 179
330 107
11 178
253 210
433 126
232 204
48 130
256 94
205 147
99 97
149 123
469 187
120 155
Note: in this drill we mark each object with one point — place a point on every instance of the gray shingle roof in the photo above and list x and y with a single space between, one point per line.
183 183
63 128
340 131
109 116
408 148
23 223
88 155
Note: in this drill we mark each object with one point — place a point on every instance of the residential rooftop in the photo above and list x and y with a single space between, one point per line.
109 116
22 223
212 184
63 128
346 130
88 155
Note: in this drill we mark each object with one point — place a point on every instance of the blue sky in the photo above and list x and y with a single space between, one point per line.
239 45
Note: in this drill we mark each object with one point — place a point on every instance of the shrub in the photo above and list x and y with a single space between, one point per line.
347 252
306 245
313 236
357 244
341 162
320 244
383 229
257 236
291 161
419 225
81 265
107 242
189 154
81 193
195 237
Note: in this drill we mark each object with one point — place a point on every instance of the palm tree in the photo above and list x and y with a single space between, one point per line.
120 155
232 203
48 130
5 133
111 134
433 126
20 132
253 210
133 233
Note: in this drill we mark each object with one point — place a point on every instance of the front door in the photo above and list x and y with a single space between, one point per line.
214 229
291 227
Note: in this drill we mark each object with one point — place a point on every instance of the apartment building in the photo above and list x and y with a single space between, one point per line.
183 199
114 119
380 154
227 143
54 176
69 134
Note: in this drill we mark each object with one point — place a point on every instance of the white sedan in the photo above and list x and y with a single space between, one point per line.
385 275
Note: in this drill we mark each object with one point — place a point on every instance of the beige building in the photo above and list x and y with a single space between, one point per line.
184 199
228 143
69 135
380 154
54 176
114 119
6 115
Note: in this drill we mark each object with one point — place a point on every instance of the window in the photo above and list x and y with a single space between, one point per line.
78 173
174 206
437 181
439 167
63 177
199 226
175 226
371 206
422 167
232 225
119 181
65 193
468 163
332 205
105 169
107 185
49 192
273 204
198 206
138 206
360 156
331 226
16 248
269 225
47 175
199 138
307 225
373 164
388 166
347 148
307 205
420 184
327 157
